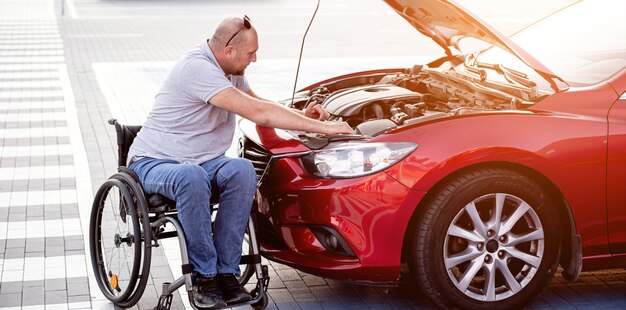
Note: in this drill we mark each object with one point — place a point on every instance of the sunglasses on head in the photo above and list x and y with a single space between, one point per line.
246 25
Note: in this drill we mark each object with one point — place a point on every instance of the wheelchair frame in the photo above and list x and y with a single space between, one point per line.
148 215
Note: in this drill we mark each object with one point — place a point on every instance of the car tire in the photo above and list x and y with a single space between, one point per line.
466 256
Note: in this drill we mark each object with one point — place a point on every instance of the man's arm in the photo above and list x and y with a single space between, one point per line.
254 95
267 113
315 111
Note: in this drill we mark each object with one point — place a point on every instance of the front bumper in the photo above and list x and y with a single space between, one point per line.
350 229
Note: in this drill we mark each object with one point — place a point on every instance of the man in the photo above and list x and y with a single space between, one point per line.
179 152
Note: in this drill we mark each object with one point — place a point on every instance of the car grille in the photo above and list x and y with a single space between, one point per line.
259 156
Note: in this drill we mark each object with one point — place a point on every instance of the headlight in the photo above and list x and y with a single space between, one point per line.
355 160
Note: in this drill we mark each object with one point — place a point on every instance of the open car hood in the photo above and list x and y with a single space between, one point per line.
447 22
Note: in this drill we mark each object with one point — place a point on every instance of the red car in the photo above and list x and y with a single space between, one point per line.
484 171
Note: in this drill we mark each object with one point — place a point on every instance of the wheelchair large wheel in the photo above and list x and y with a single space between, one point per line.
120 259
247 270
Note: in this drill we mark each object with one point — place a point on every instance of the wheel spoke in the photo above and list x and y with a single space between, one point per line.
469 274
490 282
479 225
467 255
463 233
110 251
511 282
118 260
526 258
531 236
495 220
512 220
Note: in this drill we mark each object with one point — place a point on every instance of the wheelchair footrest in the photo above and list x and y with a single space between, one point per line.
165 301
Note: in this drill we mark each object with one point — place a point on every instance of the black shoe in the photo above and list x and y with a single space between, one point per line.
207 294
232 291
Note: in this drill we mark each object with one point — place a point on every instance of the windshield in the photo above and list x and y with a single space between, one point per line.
583 44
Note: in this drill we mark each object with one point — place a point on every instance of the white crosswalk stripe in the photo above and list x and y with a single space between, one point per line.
39 229
28 105
45 172
29 84
34 198
43 268
37 150
35 117
34 132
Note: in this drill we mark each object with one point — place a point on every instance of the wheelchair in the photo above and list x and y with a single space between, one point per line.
125 225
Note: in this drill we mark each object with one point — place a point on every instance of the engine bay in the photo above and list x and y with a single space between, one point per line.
376 103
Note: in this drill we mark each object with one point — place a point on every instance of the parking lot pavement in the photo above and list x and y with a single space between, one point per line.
67 66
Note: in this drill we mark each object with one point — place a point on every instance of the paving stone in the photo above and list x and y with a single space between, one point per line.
58 250
35 244
309 305
77 288
54 241
36 283
7 186
4 214
34 211
55 284
287 305
81 298
17 217
149 298
312 280
68 183
161 272
289 275
7 162
159 260
33 295
74 245
20 183
56 297
11 299
281 296
69 211
10 288
10 253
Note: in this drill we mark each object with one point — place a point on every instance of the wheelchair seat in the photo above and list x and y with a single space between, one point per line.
156 202
125 136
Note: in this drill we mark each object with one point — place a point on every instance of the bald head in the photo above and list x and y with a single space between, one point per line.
234 56
227 28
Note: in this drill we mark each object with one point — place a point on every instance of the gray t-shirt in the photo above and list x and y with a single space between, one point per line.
182 126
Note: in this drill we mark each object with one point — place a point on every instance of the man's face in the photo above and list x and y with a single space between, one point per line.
245 53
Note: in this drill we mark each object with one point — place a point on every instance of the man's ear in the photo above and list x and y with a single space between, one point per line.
229 51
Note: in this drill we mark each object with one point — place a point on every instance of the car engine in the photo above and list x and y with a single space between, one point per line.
376 103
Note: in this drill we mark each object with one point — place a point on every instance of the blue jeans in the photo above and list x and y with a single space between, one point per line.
210 252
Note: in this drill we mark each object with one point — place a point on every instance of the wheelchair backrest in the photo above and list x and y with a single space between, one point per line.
125 137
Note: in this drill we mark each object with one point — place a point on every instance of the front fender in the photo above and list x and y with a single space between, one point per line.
568 150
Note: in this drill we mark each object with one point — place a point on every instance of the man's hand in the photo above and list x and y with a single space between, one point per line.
316 111
337 127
